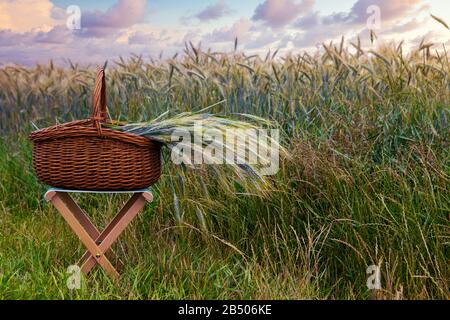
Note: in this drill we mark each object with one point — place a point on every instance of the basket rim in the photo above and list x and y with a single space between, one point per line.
85 128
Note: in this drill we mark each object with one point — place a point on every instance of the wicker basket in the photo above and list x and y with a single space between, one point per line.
83 155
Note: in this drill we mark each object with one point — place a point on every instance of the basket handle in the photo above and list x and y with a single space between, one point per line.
99 114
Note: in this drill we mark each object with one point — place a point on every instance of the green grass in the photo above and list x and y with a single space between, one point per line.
368 182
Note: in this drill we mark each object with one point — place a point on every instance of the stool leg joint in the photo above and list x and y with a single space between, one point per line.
97 243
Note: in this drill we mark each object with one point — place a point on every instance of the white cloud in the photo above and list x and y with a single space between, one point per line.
239 29
214 11
40 34
123 14
397 17
278 13
26 15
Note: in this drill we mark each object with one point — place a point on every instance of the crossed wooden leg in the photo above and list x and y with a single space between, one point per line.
97 243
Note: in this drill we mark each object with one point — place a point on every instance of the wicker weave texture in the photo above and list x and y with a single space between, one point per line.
85 156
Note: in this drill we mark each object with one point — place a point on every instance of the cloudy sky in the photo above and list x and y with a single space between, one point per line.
39 30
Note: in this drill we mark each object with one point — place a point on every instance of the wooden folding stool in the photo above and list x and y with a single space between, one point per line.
97 243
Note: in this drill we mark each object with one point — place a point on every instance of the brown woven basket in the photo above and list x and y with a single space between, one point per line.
83 155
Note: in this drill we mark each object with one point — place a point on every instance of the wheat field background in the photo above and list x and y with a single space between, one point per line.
368 181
